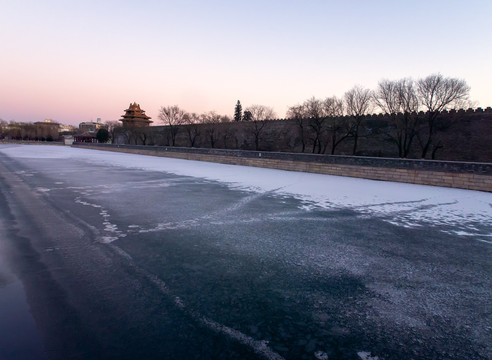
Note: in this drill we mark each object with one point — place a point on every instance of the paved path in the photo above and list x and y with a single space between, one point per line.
118 263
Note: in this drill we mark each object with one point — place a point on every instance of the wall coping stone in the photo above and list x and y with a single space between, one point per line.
395 163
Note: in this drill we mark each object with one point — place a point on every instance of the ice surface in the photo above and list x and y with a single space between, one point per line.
462 213
401 204
364 355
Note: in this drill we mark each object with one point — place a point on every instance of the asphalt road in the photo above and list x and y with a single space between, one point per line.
118 263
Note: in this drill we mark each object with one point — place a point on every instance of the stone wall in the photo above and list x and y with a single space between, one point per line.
460 136
473 176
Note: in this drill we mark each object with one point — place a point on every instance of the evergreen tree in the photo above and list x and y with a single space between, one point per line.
248 116
238 112
102 135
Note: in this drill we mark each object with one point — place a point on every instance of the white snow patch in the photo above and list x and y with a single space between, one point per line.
85 203
43 190
321 355
364 355
108 239
461 233
36 151
485 241
406 205
112 233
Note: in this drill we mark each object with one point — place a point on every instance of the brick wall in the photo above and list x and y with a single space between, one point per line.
463 175
460 136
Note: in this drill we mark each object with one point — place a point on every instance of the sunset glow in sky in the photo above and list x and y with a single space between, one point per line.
74 61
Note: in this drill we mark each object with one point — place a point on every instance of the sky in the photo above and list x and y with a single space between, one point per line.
75 61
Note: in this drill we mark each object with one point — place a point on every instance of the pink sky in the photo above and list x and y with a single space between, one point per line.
79 61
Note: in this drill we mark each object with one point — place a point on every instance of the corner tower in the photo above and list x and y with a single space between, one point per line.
135 117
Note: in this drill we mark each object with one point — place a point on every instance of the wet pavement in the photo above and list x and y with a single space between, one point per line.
118 263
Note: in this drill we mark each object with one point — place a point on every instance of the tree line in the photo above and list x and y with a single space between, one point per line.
337 119
28 131
323 124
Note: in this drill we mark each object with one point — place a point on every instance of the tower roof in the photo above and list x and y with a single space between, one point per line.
135 116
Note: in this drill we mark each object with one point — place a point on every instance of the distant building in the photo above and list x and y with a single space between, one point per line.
48 124
91 126
135 117
65 129
88 131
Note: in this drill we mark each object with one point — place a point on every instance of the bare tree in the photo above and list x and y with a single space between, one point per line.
323 117
386 97
173 117
13 130
225 118
3 128
132 136
358 104
136 135
228 135
297 114
315 112
144 135
30 132
399 100
438 93
260 114
192 127
211 119
337 125
113 127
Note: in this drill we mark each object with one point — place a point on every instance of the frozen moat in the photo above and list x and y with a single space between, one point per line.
128 256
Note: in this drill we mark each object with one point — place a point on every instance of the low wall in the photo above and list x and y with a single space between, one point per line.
32 142
463 175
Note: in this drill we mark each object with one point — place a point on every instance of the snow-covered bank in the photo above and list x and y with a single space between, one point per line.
462 212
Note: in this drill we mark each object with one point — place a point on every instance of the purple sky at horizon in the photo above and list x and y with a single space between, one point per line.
79 61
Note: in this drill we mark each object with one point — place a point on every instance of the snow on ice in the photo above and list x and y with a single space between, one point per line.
468 213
